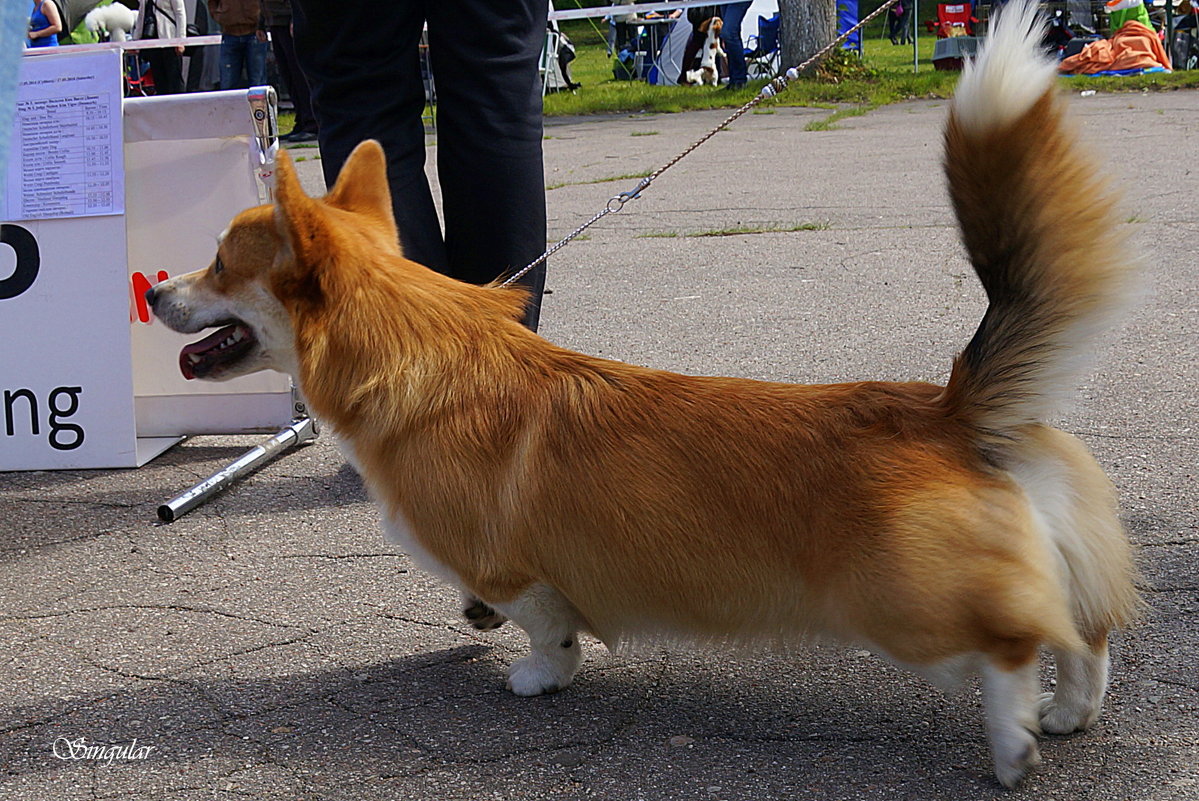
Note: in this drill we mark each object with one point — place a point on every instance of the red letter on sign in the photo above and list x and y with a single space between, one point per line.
138 286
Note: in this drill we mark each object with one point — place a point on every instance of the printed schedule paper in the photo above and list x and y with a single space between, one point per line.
65 155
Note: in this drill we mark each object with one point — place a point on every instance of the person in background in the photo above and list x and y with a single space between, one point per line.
363 63
163 19
697 15
620 29
899 23
276 17
45 23
732 14
243 42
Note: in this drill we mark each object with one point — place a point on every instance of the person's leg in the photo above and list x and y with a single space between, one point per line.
732 15
363 66
232 56
293 76
255 61
489 131
168 70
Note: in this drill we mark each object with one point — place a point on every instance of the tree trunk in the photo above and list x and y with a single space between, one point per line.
806 26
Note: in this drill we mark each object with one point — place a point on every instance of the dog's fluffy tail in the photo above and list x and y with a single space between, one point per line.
1040 230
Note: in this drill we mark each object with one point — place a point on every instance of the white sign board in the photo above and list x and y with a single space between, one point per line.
187 176
87 380
66 387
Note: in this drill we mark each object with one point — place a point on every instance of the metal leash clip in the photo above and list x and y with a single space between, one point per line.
625 197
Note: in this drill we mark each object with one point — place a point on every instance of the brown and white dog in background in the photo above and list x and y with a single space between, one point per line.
949 528
709 65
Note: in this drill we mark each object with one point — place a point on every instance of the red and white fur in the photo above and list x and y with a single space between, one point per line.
709 70
948 527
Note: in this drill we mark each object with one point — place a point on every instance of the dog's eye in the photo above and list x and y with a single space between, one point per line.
218 266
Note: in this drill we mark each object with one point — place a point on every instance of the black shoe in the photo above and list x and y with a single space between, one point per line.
298 136
732 87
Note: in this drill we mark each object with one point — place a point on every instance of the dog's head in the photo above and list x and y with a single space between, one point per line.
269 266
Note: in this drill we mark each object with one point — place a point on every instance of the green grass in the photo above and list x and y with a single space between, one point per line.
884 76
740 230
626 177
829 123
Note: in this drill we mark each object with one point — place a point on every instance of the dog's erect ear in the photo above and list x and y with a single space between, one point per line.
302 224
362 188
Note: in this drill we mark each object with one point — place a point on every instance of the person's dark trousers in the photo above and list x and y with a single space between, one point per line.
691 50
293 77
899 25
168 70
731 15
362 63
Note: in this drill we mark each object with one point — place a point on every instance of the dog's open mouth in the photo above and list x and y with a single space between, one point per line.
216 351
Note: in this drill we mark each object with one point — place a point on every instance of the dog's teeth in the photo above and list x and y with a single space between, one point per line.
238 335
193 358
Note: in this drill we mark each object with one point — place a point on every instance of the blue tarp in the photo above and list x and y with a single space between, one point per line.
847 17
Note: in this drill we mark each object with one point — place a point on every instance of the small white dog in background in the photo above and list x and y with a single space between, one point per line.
708 73
114 21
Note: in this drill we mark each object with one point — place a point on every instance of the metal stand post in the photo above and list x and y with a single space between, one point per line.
300 431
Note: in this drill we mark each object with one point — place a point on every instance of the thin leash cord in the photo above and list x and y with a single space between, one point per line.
775 87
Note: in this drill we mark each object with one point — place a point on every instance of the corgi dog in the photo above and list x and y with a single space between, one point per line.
946 527
709 71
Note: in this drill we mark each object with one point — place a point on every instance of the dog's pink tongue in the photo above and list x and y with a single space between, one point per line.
197 358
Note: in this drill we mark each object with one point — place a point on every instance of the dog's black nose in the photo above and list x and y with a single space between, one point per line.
150 295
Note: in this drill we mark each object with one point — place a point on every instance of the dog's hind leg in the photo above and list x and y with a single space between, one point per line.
479 614
1010 704
1081 683
552 625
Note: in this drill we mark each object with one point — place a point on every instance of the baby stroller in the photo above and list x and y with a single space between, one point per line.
762 60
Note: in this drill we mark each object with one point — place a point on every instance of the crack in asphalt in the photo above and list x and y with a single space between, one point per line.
156 607
344 556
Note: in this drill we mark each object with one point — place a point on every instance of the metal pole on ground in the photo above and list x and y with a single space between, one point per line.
301 431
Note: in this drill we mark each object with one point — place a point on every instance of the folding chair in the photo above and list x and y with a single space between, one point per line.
762 59
953 19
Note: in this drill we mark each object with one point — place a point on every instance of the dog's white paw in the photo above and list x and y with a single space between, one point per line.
535 675
1058 718
1018 755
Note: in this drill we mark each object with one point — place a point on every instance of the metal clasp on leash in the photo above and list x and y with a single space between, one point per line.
616 202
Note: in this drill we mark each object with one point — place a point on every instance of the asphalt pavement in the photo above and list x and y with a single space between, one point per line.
271 646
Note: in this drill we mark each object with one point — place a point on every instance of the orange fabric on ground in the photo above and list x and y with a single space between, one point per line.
1132 47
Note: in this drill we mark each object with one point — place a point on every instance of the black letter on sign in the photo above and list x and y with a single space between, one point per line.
57 427
29 260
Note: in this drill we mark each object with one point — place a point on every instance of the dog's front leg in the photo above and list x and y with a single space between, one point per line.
552 625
